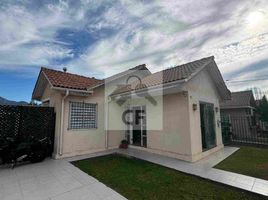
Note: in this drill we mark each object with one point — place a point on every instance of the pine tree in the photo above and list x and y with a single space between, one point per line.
262 109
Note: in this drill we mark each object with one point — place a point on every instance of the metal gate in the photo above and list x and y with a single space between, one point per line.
242 129
24 122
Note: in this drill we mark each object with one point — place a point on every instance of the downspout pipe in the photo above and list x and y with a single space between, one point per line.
107 125
62 121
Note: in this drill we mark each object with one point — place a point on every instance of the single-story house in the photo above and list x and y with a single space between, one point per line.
178 109
240 111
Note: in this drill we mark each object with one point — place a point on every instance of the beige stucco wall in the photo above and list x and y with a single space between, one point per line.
202 89
168 131
77 142
115 126
174 138
47 93
82 141
181 135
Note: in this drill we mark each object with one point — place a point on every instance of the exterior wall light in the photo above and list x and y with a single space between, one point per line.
194 106
217 109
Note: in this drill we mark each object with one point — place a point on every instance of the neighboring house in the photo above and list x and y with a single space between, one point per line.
180 115
240 110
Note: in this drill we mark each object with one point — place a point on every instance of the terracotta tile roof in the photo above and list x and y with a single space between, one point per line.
141 67
68 80
239 99
177 73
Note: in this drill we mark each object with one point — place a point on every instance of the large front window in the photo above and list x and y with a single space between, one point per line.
82 115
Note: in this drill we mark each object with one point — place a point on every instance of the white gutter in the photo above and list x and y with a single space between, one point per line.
61 123
72 90
107 125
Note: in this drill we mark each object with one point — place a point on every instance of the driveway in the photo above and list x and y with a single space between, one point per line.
53 180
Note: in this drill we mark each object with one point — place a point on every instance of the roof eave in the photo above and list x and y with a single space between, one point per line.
223 91
71 90
34 95
155 87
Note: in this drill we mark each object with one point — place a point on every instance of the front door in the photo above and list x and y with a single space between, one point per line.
207 126
138 133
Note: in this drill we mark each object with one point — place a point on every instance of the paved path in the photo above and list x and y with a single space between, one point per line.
52 180
204 169
60 180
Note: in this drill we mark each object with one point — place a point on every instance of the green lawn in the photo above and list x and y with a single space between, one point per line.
137 179
248 161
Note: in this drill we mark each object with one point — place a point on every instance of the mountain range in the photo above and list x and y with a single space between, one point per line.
4 101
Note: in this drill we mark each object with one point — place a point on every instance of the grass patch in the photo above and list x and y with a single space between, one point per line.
249 161
138 179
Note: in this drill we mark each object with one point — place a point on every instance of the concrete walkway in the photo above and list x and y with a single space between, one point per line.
60 180
204 169
52 180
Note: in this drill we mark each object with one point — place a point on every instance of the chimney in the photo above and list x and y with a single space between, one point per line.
64 69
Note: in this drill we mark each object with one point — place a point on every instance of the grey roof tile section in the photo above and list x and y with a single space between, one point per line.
180 72
239 100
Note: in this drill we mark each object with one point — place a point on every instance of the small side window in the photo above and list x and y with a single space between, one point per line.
82 115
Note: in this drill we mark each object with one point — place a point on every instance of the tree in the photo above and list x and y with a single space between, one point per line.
262 109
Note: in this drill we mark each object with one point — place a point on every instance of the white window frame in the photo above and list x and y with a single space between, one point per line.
70 127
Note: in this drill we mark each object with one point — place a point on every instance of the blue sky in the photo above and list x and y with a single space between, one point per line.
100 38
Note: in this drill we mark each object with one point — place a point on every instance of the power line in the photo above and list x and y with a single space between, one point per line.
248 80
255 77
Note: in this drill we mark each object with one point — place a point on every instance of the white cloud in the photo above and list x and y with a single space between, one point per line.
158 33
28 37
16 28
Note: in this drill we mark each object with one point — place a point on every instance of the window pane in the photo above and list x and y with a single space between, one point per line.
90 112
83 115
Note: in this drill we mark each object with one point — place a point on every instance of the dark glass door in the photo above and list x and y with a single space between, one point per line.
139 134
136 139
207 126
